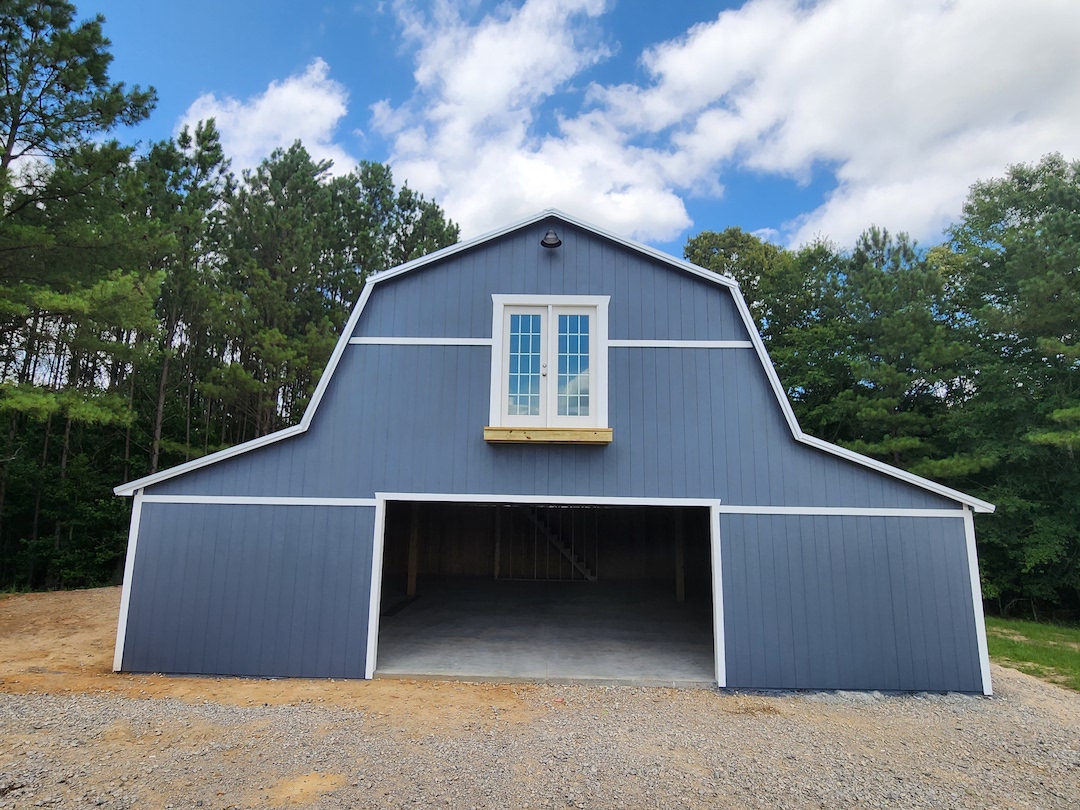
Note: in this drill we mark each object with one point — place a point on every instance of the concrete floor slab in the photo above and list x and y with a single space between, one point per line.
549 631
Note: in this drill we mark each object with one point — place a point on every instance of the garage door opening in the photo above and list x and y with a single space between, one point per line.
551 592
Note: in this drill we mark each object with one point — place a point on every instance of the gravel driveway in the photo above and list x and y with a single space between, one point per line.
549 746
73 734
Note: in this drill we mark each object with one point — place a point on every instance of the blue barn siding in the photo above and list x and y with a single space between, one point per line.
686 422
251 590
649 299
848 603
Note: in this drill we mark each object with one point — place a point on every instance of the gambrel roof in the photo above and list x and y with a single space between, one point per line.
375 279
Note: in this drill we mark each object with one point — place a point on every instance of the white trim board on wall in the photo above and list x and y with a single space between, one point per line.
680 344
384 498
129 573
259 500
418 341
977 604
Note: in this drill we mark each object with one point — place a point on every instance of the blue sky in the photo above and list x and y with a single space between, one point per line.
792 119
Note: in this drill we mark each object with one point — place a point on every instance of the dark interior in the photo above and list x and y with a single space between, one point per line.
576 592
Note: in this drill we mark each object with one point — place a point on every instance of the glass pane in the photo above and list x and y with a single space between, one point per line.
524 384
573 365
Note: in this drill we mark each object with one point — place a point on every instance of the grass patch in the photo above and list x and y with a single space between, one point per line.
1047 651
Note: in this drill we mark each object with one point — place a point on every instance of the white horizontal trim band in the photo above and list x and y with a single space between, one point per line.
419 341
258 500
873 511
542 500
681 344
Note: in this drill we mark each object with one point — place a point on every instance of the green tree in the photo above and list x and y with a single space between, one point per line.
300 245
57 92
1015 290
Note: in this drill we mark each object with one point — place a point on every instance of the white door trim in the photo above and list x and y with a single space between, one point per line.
717 596
382 498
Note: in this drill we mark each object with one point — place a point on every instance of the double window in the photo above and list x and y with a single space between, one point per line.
549 362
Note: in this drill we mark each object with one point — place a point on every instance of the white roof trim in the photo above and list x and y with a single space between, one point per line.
820 444
770 372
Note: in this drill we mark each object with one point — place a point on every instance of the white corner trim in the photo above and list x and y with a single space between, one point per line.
976 602
418 341
871 511
129 573
719 637
680 344
375 589
259 500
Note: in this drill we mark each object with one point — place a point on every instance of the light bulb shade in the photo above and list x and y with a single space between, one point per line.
551 239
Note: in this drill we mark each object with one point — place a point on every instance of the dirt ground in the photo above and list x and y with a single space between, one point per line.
62 643
75 734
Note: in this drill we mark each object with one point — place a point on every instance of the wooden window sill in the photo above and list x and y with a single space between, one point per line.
522 435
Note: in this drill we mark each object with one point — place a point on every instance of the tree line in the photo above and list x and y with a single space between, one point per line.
960 362
154 306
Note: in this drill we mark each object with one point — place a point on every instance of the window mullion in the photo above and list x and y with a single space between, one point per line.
551 342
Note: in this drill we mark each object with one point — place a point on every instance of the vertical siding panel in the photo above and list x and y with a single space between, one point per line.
220 523
928 599
274 578
762 618
701 431
298 614
169 619
331 633
913 553
251 573
684 421
729 431
737 590
841 606
638 460
201 568
462 429
236 585
900 600
356 644
863 613
662 418
759 437
801 580
781 583
887 599
947 623
821 627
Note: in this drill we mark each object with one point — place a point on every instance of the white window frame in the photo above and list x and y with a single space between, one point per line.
550 306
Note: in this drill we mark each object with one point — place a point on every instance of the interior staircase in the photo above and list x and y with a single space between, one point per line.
551 534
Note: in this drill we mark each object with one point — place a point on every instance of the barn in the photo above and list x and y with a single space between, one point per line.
552 453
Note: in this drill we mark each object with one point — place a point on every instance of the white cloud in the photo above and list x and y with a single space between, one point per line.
467 136
307 106
905 102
